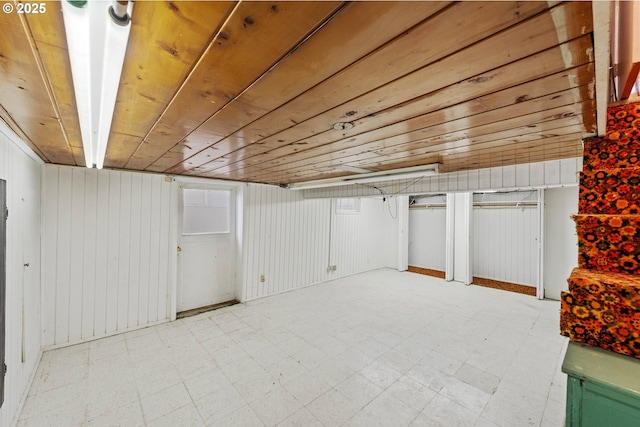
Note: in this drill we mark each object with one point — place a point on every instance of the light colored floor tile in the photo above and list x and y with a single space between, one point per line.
243 417
127 415
185 416
511 405
464 394
220 404
306 387
302 418
358 390
410 392
554 414
385 410
380 348
444 412
478 378
380 374
165 401
332 409
275 406
255 386
202 385
157 381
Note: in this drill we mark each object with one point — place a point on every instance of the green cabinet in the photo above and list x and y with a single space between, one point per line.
603 388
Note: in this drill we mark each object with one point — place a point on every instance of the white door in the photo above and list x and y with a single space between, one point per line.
206 248
560 239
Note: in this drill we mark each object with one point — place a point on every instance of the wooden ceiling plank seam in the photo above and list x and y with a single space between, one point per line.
322 159
490 129
178 161
348 158
68 123
336 9
416 155
451 111
322 24
214 36
530 53
306 154
430 61
22 87
46 81
499 143
464 86
377 48
168 37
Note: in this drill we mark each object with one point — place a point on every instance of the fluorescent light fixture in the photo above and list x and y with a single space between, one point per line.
365 178
97 36
77 25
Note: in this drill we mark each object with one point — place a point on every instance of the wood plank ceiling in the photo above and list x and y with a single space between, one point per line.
251 91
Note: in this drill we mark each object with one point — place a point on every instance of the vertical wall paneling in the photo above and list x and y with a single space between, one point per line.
134 254
560 249
552 173
540 244
505 237
21 169
427 233
63 255
286 239
124 252
450 236
76 254
101 279
462 238
106 241
90 237
403 231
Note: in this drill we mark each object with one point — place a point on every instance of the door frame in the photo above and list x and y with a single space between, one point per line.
236 218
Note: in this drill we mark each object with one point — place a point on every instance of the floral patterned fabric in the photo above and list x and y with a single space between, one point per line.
615 192
602 306
603 310
609 243
623 121
603 153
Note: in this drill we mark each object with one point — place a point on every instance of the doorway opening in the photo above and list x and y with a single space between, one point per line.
206 249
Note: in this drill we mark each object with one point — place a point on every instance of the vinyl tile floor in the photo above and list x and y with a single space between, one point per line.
381 348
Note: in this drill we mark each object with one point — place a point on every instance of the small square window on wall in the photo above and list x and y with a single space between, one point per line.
205 211
347 206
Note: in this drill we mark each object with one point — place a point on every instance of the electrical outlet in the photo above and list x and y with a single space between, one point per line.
333 267
262 278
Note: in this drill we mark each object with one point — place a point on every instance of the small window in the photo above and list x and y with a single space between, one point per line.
205 211
347 206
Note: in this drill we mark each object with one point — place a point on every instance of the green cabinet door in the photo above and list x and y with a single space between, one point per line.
603 388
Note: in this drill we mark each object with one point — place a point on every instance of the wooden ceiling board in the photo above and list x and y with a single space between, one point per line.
24 93
343 40
166 41
255 37
460 116
251 91
351 158
52 48
308 113
534 67
532 36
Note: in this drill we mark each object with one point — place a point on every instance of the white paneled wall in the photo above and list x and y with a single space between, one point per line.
287 238
427 233
106 240
505 245
551 173
23 341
